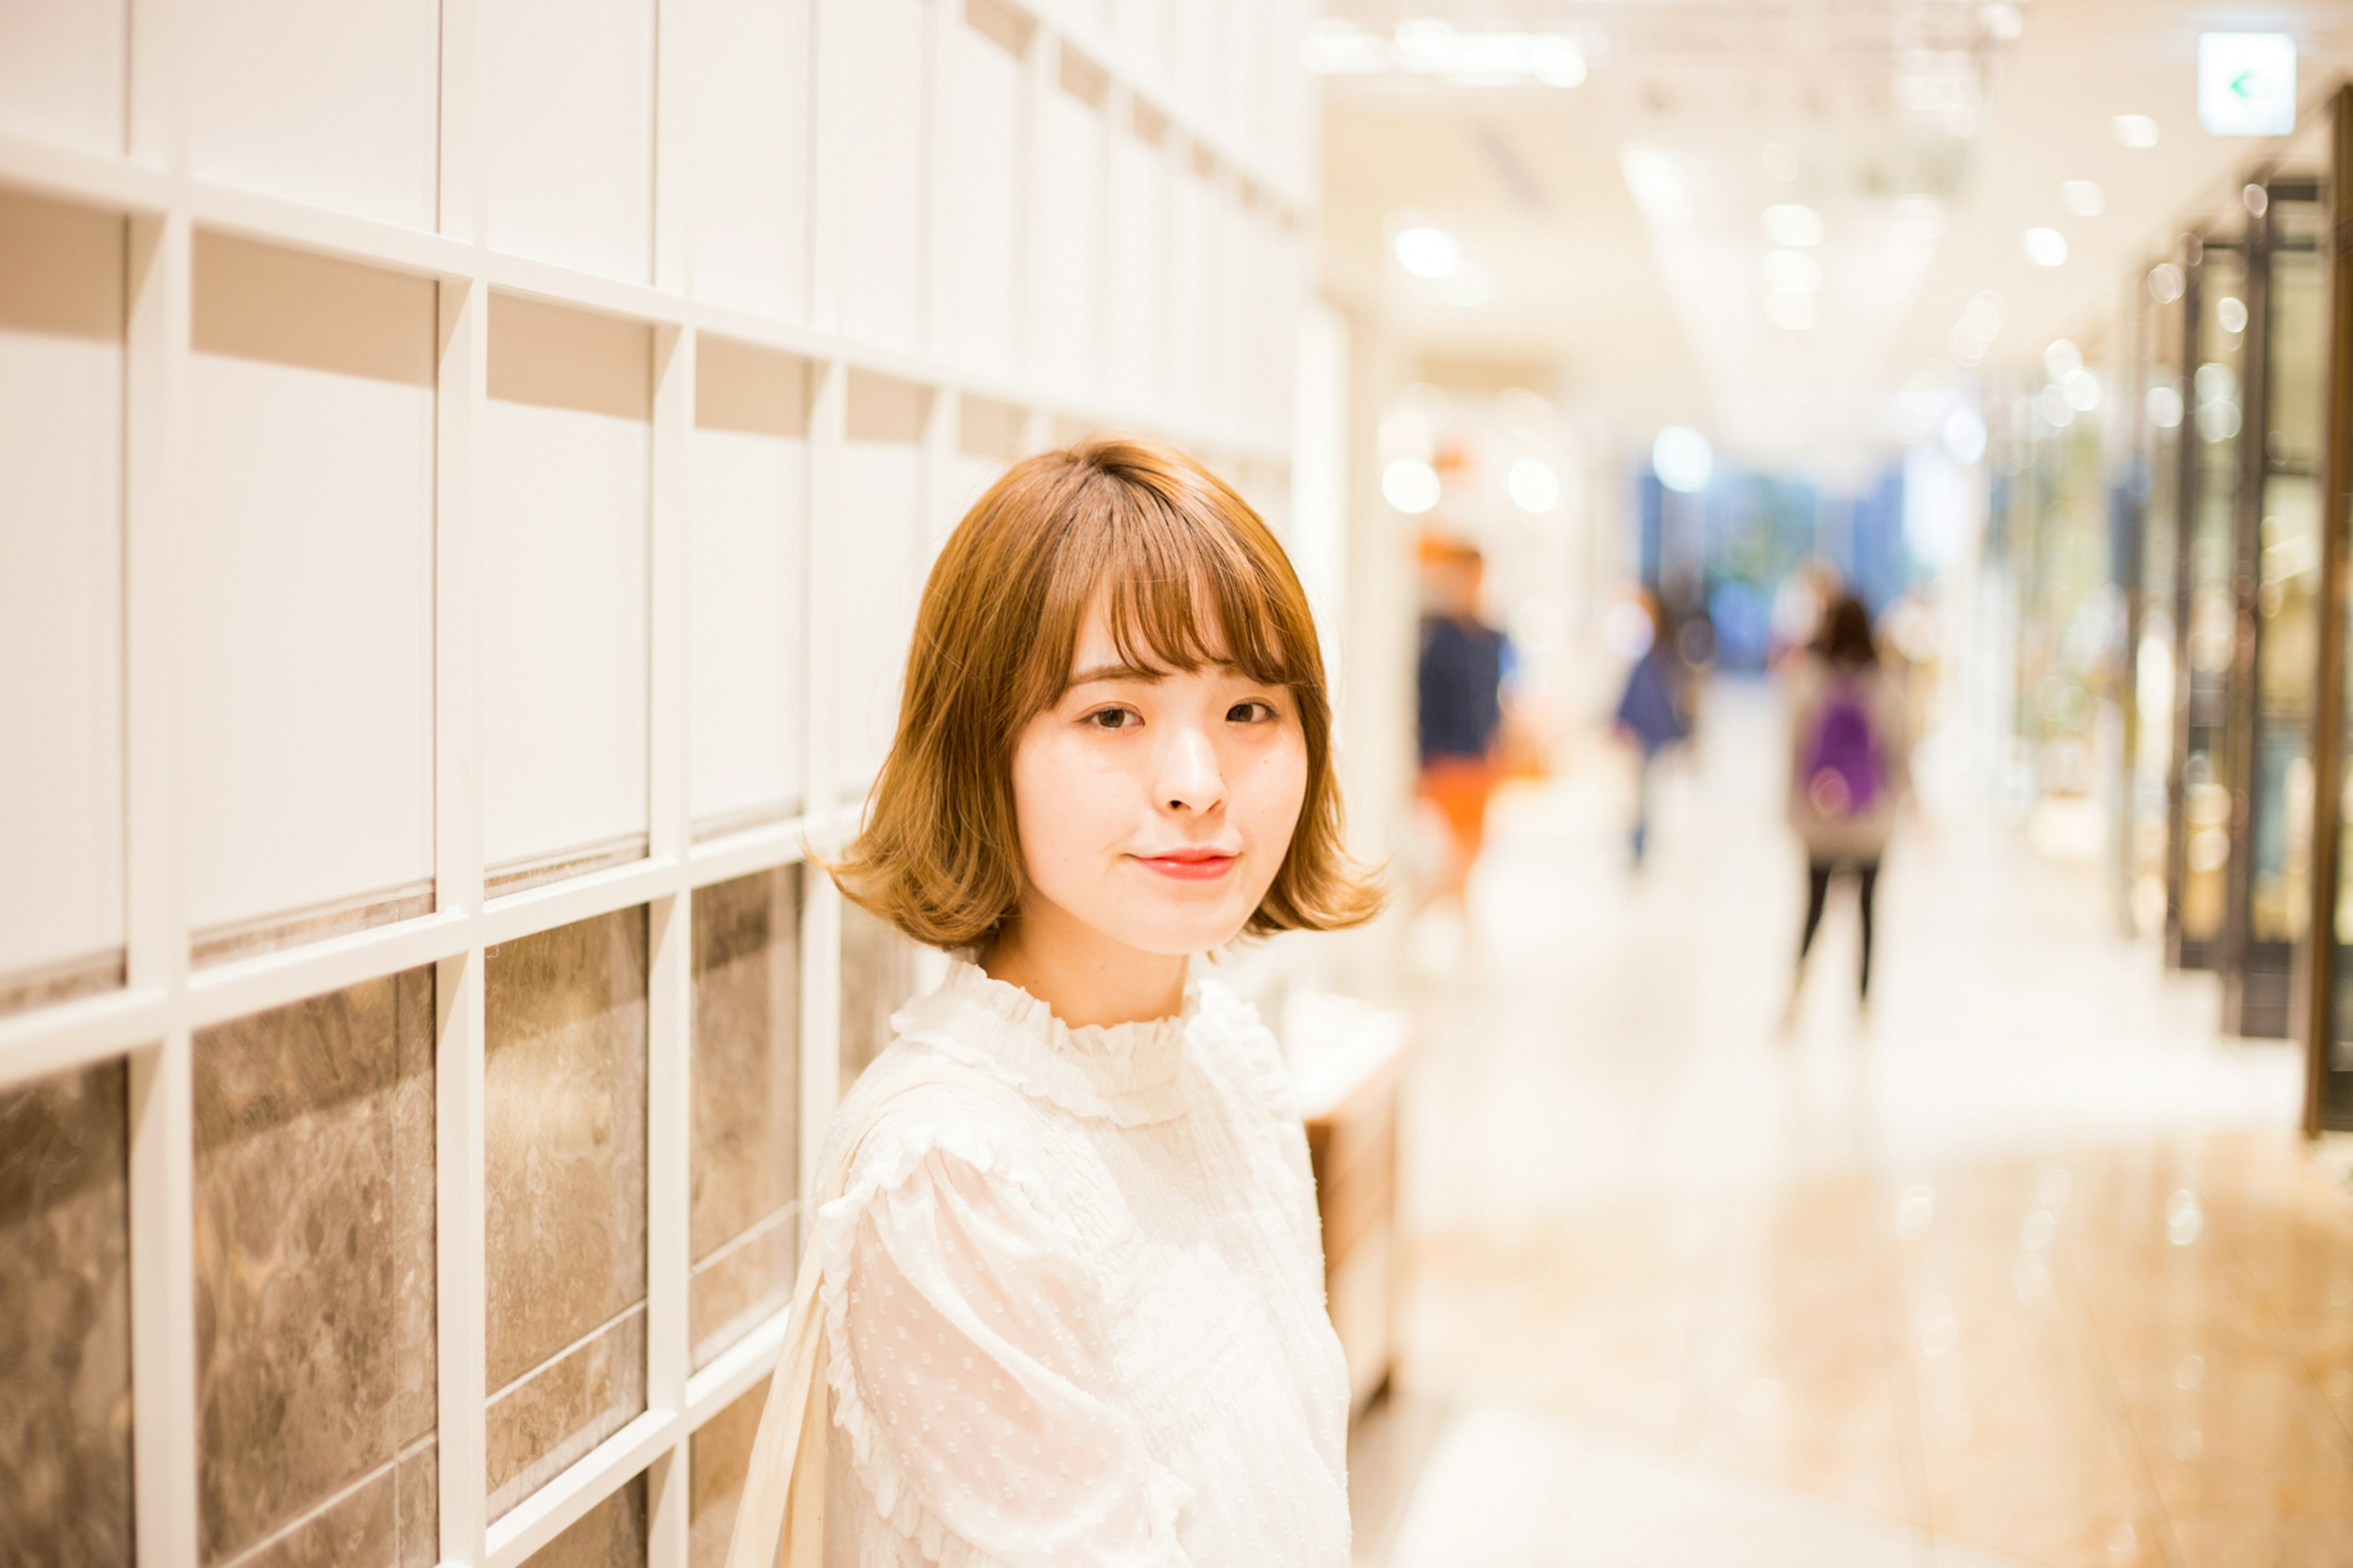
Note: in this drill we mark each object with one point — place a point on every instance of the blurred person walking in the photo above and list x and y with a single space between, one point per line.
1849 770
1654 714
1459 688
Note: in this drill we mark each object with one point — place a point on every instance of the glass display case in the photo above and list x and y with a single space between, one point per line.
2206 478
2277 558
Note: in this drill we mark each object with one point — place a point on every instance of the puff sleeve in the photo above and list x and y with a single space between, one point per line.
972 1375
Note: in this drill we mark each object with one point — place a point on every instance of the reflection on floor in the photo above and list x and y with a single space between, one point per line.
2024 1270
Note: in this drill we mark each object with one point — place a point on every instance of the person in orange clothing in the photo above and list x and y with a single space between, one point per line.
1460 683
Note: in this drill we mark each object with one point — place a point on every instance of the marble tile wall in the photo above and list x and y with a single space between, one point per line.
65 1334
564 1081
878 977
314 1246
610 1535
746 1104
719 1455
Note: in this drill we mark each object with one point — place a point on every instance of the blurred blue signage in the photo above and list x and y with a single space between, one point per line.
2246 84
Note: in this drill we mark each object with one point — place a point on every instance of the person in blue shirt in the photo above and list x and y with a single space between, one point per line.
1460 691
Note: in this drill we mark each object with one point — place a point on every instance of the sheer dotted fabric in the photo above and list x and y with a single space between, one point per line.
977 1351
1083 1323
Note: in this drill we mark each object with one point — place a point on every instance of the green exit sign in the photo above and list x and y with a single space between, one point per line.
2246 84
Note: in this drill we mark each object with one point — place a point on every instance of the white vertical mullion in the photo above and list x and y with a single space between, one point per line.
821 1027
461 1308
461 1323
670 977
166 1513
461 1311
829 186
940 246
674 132
1038 78
820 935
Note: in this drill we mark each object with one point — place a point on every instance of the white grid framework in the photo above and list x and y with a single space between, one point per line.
1219 111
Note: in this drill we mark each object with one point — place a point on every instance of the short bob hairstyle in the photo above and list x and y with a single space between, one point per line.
1195 577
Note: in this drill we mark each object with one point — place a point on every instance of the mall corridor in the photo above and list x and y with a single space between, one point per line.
545 546
2025 1269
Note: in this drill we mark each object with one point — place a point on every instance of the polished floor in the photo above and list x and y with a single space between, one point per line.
2023 1269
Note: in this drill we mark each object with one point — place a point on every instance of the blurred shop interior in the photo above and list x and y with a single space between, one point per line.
467 468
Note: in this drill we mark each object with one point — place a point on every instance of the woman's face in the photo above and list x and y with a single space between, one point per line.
1156 809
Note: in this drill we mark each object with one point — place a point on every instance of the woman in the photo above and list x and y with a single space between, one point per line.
1851 769
1062 1298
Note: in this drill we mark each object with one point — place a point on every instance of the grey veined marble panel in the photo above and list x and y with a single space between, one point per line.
565 1084
878 978
315 1370
65 1320
610 1535
746 1103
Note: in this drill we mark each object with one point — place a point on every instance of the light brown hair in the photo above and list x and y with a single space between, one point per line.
1195 577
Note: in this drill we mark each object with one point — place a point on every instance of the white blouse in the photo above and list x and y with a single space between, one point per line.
1080 1322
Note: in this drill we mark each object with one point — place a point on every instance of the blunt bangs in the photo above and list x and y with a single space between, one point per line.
1189 576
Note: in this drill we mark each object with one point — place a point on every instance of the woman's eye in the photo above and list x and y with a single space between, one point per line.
1114 718
1250 713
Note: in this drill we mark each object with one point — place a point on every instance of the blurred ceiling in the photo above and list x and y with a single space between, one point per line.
1634 229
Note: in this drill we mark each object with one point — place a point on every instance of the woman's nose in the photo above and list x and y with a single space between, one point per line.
1190 779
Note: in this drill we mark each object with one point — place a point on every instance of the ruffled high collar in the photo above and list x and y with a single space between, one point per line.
1123 1073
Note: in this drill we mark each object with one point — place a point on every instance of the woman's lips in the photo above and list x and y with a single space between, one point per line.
1189 865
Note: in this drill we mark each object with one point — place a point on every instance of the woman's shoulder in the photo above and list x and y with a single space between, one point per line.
915 1106
1236 1044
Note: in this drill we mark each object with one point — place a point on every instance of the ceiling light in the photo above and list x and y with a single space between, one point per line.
2216 382
2134 130
1792 271
2165 282
1556 62
1681 458
1788 224
2231 313
1984 316
2164 408
1533 485
2258 199
2062 359
1427 252
1409 484
2082 390
2045 247
2004 22
2081 199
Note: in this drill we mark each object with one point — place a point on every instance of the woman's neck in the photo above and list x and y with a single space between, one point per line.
1082 975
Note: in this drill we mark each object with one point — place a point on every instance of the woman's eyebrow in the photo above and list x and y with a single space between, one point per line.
1121 671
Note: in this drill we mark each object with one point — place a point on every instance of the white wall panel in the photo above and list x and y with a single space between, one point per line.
61 318
65 70
750 116
308 678
333 105
748 560
881 175
564 547
1070 263
879 556
566 87
1138 268
983 183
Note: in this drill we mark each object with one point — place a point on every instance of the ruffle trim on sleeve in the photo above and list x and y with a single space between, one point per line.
895 1497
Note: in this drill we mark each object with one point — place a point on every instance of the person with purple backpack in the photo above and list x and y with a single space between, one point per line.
1849 769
